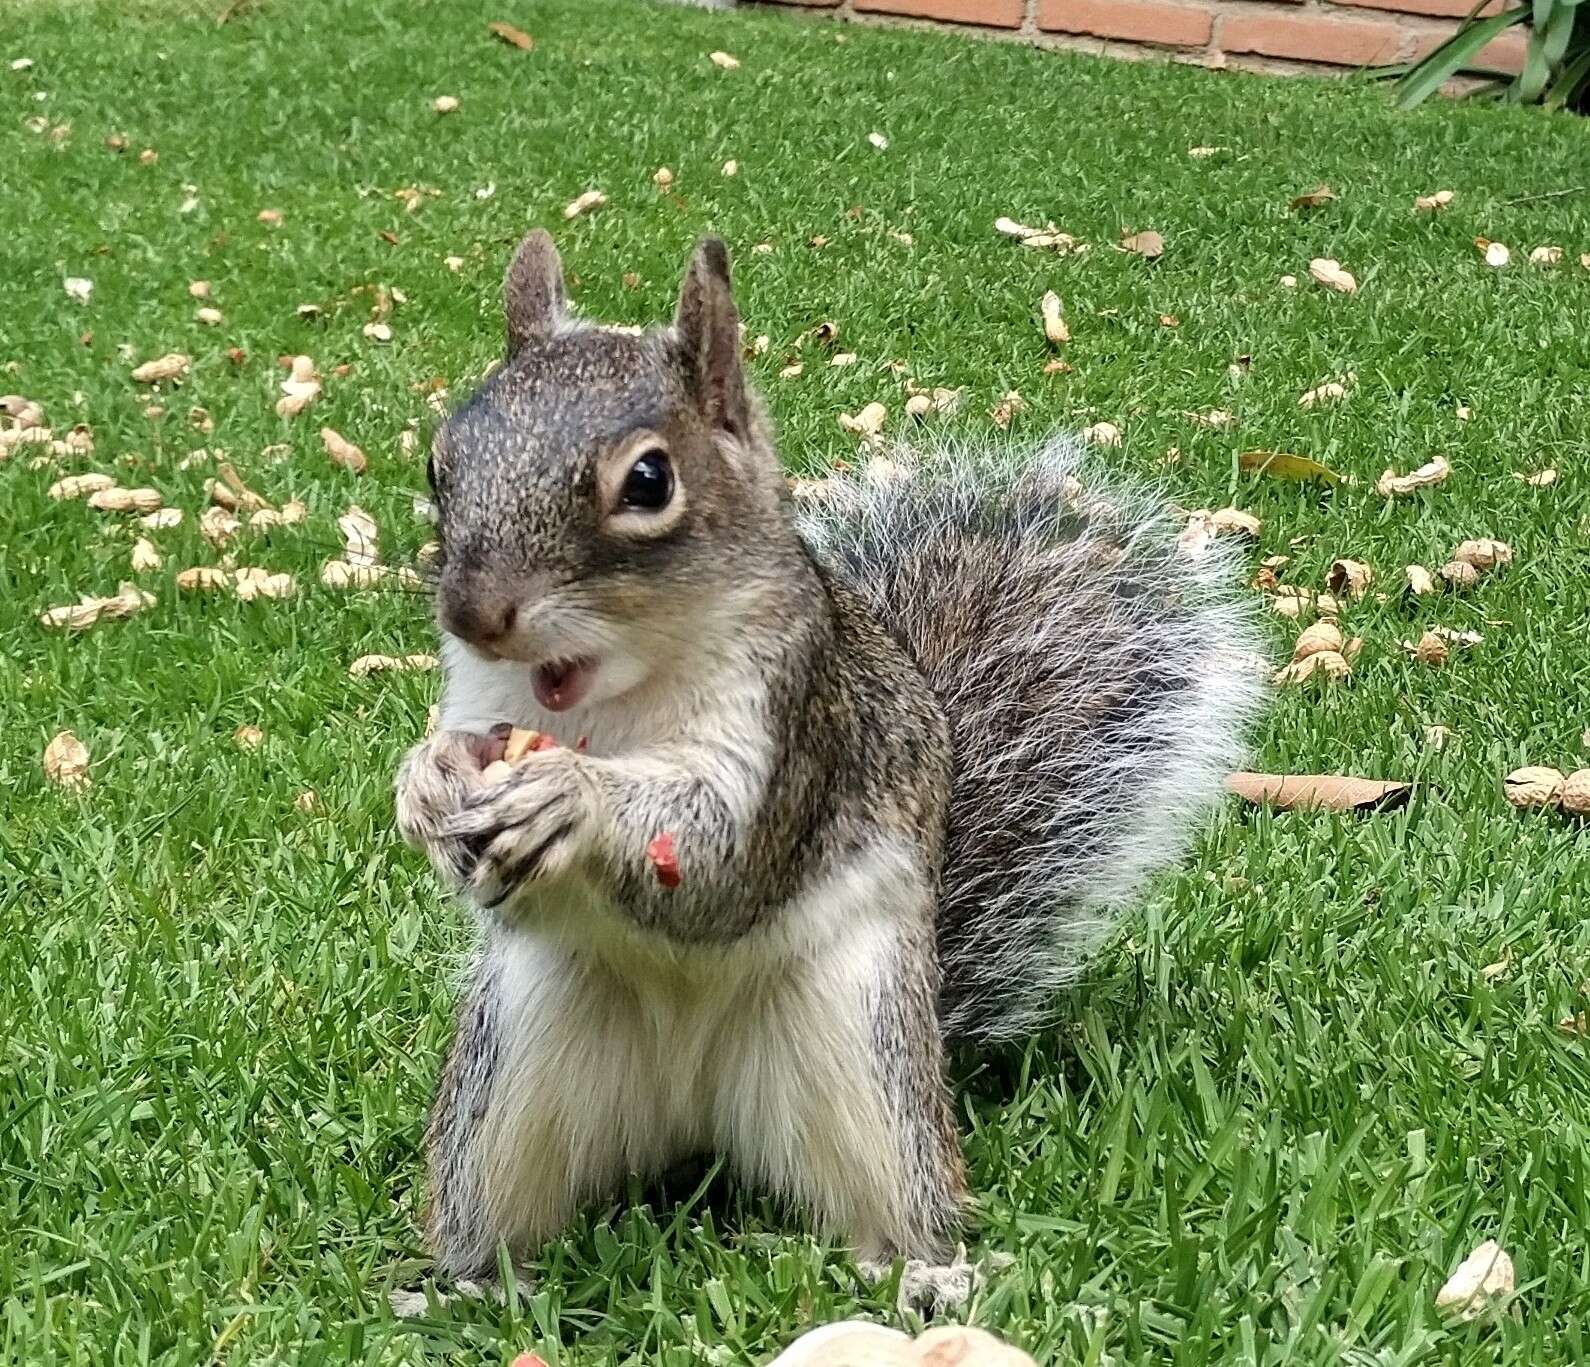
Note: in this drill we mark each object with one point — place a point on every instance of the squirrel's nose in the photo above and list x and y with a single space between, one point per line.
479 618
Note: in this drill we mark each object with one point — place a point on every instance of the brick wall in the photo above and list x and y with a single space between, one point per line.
1265 35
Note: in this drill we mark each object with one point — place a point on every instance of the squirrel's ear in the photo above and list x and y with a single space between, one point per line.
533 293
708 330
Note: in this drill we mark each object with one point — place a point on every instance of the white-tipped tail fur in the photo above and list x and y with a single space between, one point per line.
1097 680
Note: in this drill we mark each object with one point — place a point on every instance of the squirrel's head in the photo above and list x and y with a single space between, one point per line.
604 494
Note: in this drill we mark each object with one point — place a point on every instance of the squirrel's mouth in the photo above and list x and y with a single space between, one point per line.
561 684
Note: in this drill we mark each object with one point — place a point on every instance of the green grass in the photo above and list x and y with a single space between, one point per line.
1285 1102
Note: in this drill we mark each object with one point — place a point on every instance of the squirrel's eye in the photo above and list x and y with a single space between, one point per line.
649 485
430 472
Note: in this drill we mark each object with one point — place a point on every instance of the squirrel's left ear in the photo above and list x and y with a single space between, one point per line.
707 327
532 294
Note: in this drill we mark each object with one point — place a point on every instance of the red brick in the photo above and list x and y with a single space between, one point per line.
1505 52
1138 21
1441 9
1311 38
990 13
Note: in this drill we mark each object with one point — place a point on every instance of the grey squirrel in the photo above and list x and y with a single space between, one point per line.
914 739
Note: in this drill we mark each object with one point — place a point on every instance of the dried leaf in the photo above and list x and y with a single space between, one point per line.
1460 575
1234 520
1149 245
1284 465
1427 476
1312 199
66 761
343 452
1534 785
1328 271
1327 664
1433 203
1333 792
172 366
591 199
1480 1281
1054 323
1322 636
514 37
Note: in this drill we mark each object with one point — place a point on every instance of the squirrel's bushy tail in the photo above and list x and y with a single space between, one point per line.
1097 678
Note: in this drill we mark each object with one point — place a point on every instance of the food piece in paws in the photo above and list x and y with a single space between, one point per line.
664 859
522 742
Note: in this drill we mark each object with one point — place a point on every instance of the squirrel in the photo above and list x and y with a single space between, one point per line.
914 738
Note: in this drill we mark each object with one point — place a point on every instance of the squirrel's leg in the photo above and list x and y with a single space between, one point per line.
834 1093
536 1110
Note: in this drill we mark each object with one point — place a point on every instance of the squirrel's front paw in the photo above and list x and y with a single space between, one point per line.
531 825
434 780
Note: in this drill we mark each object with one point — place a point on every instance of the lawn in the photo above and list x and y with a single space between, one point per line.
1281 1106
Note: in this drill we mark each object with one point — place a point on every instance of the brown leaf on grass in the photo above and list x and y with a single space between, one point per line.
1284 465
1149 244
66 761
1427 476
1312 199
514 37
1430 649
1326 664
1322 636
343 452
1460 575
1535 785
1332 792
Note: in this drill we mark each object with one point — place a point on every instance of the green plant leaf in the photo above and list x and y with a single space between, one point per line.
1569 80
1284 465
1453 55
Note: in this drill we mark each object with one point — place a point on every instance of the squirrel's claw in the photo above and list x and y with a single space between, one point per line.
526 827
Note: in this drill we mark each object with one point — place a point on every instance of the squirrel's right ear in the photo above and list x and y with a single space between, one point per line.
707 328
533 293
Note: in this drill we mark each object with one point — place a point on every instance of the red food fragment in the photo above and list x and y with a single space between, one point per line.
582 745
528 1360
543 742
664 860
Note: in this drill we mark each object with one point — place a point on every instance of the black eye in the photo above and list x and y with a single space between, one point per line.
430 472
649 485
